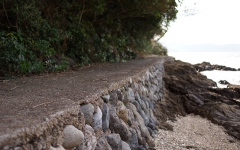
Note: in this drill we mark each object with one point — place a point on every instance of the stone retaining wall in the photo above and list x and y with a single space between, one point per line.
121 119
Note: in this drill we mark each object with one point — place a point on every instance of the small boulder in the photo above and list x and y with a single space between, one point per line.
56 148
131 118
139 100
135 86
148 75
114 140
122 111
141 148
143 91
223 82
113 98
130 94
102 144
144 131
120 95
136 104
90 138
88 110
152 125
133 140
97 119
141 140
125 146
72 137
144 116
106 98
117 125
105 117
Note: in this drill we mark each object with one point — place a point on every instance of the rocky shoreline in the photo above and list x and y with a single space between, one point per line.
187 91
206 66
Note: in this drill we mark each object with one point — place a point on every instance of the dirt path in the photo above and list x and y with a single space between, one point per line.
196 133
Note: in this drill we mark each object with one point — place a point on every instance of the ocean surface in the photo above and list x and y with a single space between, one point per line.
229 59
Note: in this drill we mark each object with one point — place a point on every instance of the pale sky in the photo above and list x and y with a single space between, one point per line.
217 22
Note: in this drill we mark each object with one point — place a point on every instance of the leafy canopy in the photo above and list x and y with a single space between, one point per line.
42 35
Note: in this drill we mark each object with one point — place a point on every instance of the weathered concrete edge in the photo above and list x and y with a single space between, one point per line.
67 116
123 82
24 135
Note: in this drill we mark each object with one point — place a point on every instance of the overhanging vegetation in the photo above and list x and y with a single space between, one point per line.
46 36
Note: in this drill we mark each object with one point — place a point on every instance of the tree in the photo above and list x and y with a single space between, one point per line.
43 35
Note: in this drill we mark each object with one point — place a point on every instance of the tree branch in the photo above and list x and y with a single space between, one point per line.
7 15
121 6
80 18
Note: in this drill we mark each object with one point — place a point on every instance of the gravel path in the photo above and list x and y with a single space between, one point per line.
195 133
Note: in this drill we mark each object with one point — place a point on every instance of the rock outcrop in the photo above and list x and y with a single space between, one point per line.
206 66
187 91
223 82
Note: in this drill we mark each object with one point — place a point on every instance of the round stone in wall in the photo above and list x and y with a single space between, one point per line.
72 137
97 119
88 110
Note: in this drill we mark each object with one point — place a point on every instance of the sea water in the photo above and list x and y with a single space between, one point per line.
229 59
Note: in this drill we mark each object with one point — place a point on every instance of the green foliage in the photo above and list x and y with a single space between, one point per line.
45 36
156 48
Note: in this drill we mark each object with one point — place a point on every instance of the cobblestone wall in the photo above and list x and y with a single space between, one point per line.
121 119
125 118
